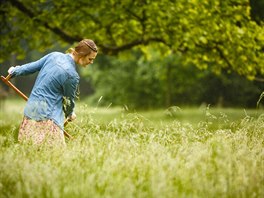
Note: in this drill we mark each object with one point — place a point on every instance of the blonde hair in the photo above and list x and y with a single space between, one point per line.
84 48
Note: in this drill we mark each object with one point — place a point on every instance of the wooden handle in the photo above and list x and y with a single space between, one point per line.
67 134
8 83
8 77
66 121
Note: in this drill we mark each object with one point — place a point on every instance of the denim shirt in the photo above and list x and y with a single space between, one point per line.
56 83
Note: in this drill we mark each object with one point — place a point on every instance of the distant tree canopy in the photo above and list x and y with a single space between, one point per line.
212 34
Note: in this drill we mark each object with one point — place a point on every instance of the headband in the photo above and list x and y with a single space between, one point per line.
92 48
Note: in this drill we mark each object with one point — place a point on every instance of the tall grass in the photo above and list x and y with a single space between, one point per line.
133 155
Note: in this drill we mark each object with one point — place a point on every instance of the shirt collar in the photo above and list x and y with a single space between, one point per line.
71 58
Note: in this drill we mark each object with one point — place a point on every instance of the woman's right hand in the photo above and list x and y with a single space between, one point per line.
72 117
11 70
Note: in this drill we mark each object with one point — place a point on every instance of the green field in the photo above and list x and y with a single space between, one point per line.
175 152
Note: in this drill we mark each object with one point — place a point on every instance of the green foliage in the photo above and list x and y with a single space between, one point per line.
212 34
149 78
131 156
151 52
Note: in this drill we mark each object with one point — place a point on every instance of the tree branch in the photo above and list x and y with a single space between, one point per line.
70 39
116 49
223 56
259 79
63 35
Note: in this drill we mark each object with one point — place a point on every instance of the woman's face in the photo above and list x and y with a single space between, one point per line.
86 60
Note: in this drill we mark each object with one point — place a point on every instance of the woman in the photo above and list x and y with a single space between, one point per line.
53 93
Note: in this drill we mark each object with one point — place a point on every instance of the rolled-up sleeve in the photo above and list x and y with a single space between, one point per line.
69 92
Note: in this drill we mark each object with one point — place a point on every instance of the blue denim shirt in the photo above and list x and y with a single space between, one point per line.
56 82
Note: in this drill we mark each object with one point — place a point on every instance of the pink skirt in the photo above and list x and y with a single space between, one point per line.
40 132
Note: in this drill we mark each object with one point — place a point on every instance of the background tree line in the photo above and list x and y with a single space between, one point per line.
152 53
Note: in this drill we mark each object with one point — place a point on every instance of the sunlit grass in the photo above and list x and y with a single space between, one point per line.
184 152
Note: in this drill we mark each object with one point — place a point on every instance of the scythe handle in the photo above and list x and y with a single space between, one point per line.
8 83
8 77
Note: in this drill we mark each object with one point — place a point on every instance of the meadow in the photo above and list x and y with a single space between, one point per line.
168 153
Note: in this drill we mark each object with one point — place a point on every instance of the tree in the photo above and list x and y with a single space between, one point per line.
211 34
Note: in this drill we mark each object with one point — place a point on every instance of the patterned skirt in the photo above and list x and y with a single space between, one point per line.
40 132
